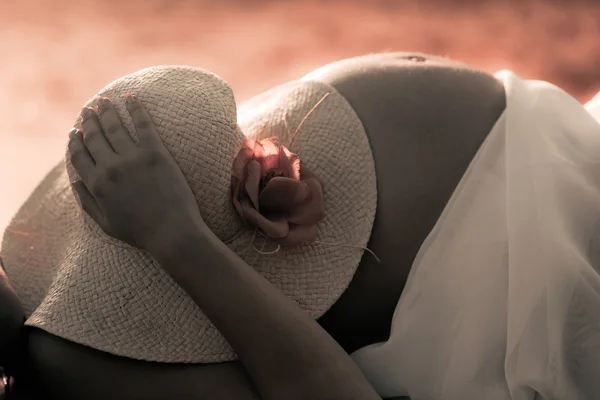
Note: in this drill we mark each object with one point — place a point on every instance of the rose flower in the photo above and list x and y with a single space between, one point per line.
272 193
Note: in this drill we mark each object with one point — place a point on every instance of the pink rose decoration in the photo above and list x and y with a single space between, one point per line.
270 192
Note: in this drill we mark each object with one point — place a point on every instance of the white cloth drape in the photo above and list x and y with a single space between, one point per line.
503 300
593 107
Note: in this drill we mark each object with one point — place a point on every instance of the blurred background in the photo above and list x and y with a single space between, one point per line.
55 54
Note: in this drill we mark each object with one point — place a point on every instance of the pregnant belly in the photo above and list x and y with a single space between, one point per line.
456 109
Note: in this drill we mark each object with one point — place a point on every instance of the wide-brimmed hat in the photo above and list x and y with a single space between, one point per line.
79 284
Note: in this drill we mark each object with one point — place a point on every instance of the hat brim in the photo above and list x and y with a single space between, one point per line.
81 285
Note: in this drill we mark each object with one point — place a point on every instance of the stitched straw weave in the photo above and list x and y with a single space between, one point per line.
81 285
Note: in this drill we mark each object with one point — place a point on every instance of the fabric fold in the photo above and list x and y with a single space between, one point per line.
503 299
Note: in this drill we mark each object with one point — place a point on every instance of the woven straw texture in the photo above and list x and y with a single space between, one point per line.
79 284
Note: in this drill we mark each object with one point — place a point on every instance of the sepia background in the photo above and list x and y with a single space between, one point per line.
55 54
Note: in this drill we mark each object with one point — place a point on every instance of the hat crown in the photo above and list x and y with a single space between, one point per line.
194 112
84 286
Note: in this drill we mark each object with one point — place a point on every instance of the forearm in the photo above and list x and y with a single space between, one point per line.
286 352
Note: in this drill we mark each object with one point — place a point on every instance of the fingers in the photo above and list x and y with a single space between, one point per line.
93 137
85 166
114 130
88 203
147 133
103 135
80 156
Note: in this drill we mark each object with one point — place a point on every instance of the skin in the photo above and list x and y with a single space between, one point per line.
425 118
113 169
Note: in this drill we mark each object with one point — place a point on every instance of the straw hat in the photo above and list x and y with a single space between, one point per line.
79 284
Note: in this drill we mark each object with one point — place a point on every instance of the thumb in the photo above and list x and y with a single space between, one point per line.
88 203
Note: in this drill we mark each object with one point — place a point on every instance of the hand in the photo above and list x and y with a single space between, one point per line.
134 191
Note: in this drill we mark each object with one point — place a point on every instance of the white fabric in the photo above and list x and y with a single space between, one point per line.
503 300
593 106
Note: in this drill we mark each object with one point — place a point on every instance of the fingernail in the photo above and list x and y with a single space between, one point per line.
86 113
129 97
72 133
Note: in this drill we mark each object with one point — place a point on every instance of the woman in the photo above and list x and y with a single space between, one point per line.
413 109
382 90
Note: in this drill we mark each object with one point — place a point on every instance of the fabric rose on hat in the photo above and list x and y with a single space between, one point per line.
271 193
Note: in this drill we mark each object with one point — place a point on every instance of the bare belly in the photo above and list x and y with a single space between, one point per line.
425 118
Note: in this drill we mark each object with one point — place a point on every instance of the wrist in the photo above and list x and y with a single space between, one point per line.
178 239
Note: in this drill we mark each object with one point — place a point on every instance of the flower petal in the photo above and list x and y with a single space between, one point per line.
243 157
275 228
253 182
283 194
249 143
258 148
299 234
289 163
269 163
270 146
268 154
312 211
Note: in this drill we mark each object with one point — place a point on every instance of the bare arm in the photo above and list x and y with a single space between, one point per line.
12 317
287 354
